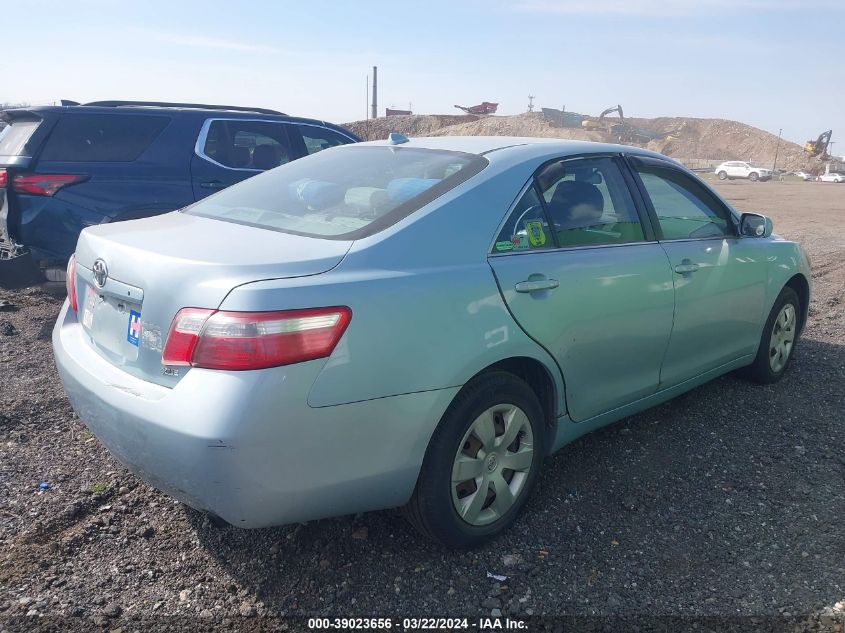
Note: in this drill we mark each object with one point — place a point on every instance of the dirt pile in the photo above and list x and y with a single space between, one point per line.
685 138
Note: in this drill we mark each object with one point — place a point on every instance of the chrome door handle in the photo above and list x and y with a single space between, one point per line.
686 268
535 285
212 184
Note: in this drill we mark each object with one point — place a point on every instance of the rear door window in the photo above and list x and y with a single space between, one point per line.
14 137
247 144
84 138
583 202
319 138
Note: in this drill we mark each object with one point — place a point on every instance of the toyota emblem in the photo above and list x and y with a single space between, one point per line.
101 273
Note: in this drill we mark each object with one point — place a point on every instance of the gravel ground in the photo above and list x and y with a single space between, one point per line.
727 502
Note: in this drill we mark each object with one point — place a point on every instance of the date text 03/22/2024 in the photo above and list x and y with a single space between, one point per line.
419 624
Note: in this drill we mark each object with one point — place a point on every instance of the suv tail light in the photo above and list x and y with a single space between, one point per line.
253 340
43 184
4 178
70 283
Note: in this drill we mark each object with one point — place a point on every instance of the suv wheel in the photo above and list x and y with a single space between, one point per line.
723 175
481 463
753 176
777 341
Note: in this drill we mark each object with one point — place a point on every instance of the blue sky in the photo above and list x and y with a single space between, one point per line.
771 63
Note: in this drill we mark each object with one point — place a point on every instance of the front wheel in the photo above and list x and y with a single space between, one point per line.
723 175
780 334
481 463
753 177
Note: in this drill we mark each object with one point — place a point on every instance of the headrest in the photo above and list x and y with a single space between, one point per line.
240 156
571 193
266 156
402 189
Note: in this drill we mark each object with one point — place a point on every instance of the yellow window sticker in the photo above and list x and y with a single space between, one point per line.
536 235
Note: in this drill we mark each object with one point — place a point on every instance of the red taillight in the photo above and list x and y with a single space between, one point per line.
43 184
70 283
4 178
253 340
183 336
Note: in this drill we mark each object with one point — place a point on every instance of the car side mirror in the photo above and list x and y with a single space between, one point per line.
755 225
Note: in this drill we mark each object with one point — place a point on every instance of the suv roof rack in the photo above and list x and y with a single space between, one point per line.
192 106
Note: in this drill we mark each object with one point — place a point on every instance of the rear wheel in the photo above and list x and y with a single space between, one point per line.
753 176
481 463
723 175
780 334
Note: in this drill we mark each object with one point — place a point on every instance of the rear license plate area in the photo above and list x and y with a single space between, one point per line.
113 324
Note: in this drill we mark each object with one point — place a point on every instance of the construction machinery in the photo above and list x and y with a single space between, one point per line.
819 147
485 107
599 124
621 131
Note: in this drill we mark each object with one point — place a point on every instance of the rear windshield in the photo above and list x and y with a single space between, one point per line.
342 193
92 138
14 137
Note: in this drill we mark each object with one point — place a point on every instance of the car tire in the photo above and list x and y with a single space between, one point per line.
753 176
471 433
778 340
723 175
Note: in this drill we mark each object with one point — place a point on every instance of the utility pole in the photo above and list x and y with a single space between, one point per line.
375 92
531 103
777 149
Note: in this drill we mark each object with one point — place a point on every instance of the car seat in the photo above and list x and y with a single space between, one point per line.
240 156
575 204
266 156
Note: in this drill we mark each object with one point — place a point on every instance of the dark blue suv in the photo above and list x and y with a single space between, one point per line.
63 168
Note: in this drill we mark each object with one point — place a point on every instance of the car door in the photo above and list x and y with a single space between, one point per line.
719 277
583 276
230 150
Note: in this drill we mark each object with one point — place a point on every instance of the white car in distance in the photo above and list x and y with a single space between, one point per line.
739 169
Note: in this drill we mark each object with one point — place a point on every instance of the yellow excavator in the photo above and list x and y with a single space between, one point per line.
594 124
818 148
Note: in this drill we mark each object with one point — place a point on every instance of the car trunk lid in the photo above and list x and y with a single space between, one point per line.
133 277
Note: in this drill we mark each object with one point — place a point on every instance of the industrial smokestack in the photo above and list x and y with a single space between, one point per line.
375 92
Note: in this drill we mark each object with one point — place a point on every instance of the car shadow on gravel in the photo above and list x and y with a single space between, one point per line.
725 501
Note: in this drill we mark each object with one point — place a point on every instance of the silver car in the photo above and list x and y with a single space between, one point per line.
414 323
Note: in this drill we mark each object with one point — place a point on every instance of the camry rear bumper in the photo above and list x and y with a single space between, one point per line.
245 445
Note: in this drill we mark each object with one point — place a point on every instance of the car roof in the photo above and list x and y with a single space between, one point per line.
524 146
180 109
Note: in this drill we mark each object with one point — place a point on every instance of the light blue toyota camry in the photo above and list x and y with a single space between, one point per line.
414 323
